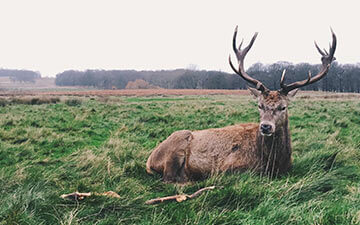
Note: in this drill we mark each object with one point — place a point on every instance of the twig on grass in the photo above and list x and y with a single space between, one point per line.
178 198
80 196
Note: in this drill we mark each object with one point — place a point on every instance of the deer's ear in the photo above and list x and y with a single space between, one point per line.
293 93
254 92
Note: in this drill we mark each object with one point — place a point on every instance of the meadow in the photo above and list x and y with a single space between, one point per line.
58 145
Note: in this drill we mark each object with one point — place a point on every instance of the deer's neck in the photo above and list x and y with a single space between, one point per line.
275 150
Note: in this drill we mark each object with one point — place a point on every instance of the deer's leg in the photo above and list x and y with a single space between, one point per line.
174 167
168 158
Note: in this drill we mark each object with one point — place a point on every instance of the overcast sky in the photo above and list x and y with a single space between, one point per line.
52 36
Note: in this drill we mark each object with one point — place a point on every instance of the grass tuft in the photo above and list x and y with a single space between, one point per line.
73 102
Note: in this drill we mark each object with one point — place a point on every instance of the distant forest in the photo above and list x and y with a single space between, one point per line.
20 75
341 78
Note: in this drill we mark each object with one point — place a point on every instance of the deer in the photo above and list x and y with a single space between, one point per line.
263 147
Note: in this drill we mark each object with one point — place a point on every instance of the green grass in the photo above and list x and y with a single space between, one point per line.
97 145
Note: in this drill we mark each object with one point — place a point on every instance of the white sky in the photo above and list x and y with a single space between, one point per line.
52 36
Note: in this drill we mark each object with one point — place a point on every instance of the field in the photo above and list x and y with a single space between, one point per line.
40 83
53 143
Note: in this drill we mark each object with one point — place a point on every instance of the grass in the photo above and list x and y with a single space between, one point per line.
97 145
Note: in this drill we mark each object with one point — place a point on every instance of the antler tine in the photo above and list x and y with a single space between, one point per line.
333 45
326 51
232 66
285 87
326 59
240 55
242 40
236 50
319 50
282 85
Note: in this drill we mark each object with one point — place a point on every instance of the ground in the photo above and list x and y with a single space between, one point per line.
55 142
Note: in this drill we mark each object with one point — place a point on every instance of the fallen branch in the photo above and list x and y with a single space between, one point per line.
178 198
80 196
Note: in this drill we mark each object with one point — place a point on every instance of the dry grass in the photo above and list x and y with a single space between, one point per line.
29 100
128 92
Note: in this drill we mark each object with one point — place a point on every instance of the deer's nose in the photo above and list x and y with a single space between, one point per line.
265 128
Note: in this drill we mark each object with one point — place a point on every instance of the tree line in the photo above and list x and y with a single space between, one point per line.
170 79
20 75
340 78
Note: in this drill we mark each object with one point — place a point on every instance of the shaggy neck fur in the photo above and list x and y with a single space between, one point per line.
275 150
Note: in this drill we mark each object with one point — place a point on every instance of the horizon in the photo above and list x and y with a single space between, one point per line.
52 37
189 68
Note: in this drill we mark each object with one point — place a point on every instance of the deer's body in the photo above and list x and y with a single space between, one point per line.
191 155
265 147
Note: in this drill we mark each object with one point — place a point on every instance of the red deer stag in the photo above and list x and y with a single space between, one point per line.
265 147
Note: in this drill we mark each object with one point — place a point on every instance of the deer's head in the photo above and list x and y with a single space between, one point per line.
273 104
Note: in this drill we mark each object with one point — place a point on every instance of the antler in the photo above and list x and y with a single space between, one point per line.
326 59
240 55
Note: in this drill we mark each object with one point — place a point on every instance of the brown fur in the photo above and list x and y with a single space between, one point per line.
191 155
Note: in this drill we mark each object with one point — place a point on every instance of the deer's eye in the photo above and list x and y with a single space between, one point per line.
281 108
261 106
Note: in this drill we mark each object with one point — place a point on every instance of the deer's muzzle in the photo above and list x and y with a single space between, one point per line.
267 128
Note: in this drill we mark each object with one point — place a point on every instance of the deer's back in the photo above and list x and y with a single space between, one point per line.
222 149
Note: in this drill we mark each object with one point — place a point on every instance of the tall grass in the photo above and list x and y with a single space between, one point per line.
97 145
